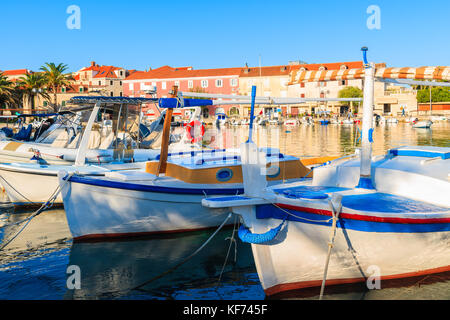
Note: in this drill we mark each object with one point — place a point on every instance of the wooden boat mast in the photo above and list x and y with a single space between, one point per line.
166 136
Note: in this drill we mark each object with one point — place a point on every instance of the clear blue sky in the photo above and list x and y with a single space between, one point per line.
213 34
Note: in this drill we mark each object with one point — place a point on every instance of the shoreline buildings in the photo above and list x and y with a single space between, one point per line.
390 100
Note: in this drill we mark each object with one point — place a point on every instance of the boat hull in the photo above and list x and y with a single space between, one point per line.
102 212
25 189
296 258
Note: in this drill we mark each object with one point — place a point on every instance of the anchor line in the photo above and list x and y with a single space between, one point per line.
45 206
232 241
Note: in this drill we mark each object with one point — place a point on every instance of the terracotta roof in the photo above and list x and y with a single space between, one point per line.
328 66
17 72
167 72
102 71
265 71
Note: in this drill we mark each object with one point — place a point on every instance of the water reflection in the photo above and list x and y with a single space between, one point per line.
112 269
333 140
34 265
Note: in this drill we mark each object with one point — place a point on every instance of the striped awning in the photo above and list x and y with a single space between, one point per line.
422 73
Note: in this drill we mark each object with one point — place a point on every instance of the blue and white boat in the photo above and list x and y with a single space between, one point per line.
361 220
167 195
139 202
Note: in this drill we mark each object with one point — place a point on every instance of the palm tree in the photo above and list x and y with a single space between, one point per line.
55 78
31 86
6 90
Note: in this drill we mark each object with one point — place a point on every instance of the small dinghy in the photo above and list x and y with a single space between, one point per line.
291 122
422 124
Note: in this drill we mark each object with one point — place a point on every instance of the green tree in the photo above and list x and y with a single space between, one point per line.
438 94
56 78
351 92
6 91
31 86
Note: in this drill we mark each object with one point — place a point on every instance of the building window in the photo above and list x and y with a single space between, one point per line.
120 82
120 94
45 103
99 83
234 82
219 83
343 82
302 95
163 85
81 89
302 85
177 83
111 83
131 87
322 84
190 84
205 113
112 94
63 104
121 73
63 89
204 83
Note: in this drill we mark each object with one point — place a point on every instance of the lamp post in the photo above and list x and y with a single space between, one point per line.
35 92
431 104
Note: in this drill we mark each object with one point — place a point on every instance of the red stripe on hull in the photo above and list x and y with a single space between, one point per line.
286 287
118 236
365 217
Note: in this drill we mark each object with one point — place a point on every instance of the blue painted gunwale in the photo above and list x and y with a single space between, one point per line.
269 211
156 189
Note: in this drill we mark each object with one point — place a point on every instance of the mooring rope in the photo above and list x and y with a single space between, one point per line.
185 259
47 205
335 212
232 241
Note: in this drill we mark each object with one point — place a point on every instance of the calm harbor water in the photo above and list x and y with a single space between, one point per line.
34 265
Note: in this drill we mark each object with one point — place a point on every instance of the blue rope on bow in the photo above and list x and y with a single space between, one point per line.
258 238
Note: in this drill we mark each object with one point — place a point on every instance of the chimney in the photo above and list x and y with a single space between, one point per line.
92 63
247 69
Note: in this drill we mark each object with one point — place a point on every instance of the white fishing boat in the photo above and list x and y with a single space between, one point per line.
167 195
411 119
275 122
291 122
392 120
235 122
136 202
23 181
422 124
361 220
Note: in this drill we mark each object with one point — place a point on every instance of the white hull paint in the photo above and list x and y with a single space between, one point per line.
297 259
94 211
33 184
29 189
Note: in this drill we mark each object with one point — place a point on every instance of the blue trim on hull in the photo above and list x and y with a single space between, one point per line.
365 183
268 211
157 189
